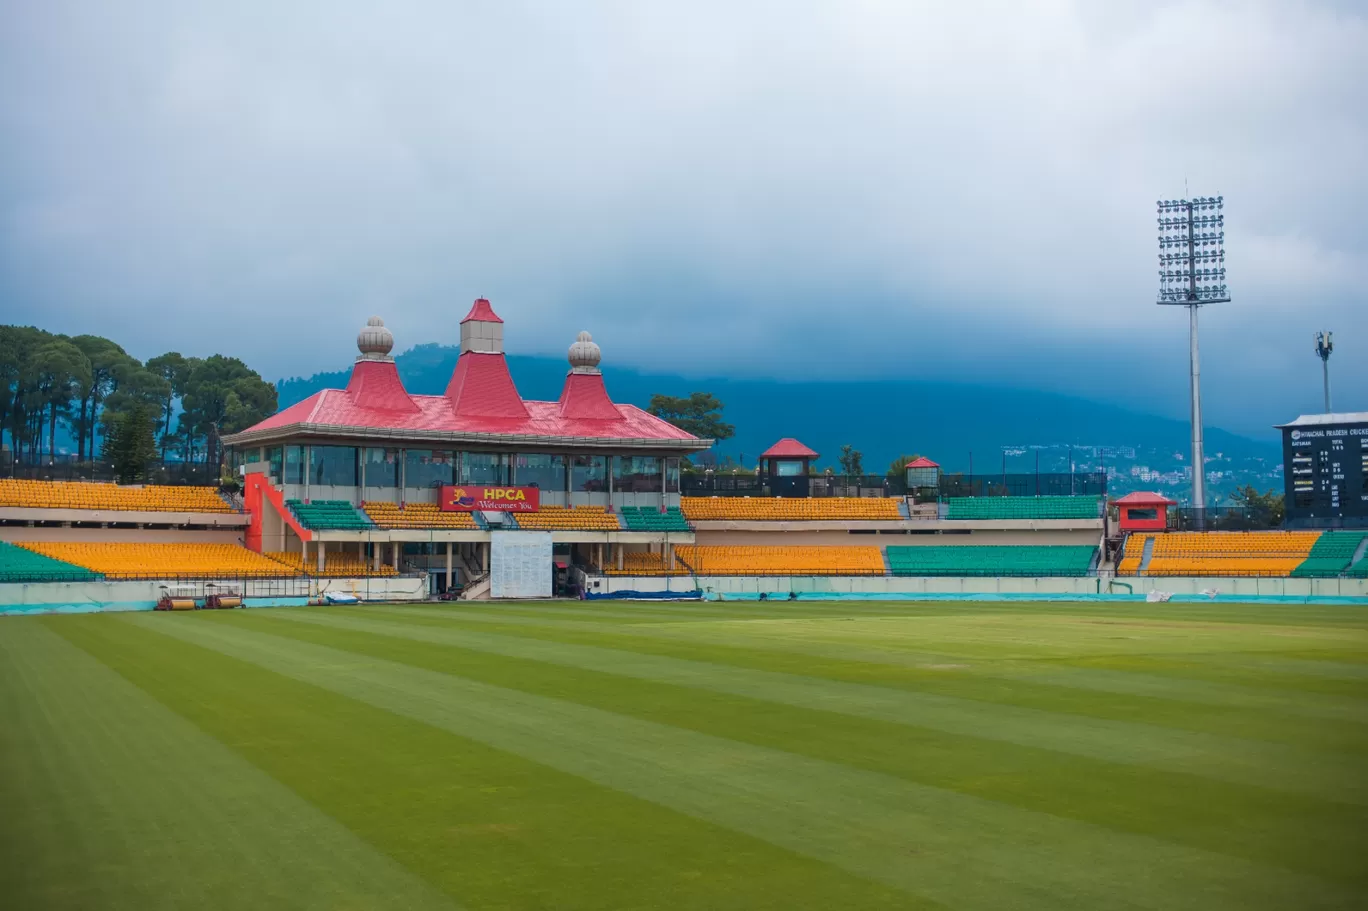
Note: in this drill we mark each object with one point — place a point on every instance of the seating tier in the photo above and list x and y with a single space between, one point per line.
755 560
16 492
19 564
1331 554
644 563
163 561
645 518
1257 553
783 509
587 518
1054 507
417 515
329 515
991 560
335 564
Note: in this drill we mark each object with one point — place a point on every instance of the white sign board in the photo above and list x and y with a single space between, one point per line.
520 564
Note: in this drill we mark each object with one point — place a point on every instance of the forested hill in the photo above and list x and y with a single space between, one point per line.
883 419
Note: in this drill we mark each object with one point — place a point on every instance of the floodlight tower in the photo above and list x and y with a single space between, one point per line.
1324 345
1192 274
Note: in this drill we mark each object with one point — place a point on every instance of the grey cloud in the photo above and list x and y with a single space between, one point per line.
961 190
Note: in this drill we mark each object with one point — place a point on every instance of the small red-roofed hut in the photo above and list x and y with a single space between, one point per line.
784 467
1143 511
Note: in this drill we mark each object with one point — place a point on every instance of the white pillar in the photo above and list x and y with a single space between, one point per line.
303 554
619 557
484 556
322 548
672 560
375 555
394 552
448 566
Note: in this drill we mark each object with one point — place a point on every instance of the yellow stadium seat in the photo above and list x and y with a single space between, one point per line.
16 492
164 561
586 518
336 564
417 515
800 560
645 563
781 509
1219 553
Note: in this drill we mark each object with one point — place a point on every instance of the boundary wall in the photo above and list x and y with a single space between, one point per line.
98 596
991 588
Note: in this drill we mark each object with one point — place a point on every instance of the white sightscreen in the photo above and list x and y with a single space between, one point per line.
520 564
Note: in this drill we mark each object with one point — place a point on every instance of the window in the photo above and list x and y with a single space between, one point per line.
332 466
636 474
429 467
382 467
294 465
273 456
589 474
672 475
537 470
788 469
1141 515
484 468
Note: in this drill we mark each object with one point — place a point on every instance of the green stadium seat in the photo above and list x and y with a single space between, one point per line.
1053 507
647 518
17 564
991 560
331 515
1330 555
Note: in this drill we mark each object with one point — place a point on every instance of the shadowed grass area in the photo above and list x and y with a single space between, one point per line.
818 755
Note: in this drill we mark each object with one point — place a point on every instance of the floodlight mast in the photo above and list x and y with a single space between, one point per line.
1192 274
1325 344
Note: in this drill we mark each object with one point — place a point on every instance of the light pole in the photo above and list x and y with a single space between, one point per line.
1324 345
1192 274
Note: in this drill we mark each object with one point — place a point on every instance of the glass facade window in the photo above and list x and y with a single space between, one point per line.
429 467
589 474
274 456
490 468
536 470
294 465
636 474
333 466
788 469
382 467
672 475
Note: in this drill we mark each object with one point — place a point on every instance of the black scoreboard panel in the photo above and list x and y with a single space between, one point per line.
1325 468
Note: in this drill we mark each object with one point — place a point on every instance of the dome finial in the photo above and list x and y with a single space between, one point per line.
374 341
584 355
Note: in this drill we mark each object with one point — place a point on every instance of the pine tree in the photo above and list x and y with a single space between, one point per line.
130 445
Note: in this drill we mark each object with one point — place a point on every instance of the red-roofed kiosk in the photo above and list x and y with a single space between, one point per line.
785 467
1143 511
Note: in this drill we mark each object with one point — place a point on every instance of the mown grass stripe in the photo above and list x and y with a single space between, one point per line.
880 661
1218 758
109 800
493 828
966 852
1277 827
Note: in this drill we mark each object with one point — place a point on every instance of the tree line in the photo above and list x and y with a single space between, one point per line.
91 386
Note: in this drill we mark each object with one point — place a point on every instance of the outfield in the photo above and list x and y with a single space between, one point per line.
574 755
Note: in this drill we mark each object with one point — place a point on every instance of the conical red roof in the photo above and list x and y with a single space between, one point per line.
481 386
788 448
376 384
482 311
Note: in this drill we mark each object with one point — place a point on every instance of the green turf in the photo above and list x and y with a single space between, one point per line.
812 755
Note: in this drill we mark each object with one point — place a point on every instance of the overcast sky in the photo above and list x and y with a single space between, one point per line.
961 190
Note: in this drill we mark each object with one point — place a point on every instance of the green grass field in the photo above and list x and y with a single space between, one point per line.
724 756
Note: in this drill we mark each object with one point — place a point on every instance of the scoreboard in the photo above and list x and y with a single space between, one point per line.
1325 470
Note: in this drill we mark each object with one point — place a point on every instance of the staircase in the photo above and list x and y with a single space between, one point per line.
477 589
1146 554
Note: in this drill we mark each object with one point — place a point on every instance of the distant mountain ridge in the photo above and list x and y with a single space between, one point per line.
883 419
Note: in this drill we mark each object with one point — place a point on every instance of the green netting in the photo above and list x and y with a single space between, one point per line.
1022 508
1330 555
20 565
645 518
329 514
991 560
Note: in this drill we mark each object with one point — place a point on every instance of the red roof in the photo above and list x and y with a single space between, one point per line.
1146 498
788 448
922 462
482 386
376 384
586 398
482 311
